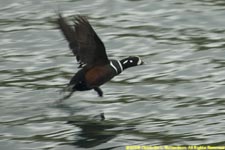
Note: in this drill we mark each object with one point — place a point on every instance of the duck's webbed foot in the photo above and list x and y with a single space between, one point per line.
100 117
99 91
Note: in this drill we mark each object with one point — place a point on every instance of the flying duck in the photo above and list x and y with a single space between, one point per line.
89 50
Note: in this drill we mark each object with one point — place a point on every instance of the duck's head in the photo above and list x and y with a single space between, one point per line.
131 61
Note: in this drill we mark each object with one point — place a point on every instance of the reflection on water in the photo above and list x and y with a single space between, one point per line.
176 98
93 134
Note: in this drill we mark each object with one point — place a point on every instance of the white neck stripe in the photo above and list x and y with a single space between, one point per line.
121 67
113 66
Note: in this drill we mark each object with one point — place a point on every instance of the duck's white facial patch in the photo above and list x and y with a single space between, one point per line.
131 61
139 61
125 61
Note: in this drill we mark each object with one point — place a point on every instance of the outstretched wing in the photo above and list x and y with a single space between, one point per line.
84 42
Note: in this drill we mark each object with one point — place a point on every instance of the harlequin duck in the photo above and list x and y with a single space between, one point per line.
90 53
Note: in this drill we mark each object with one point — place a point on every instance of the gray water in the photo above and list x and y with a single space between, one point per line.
176 98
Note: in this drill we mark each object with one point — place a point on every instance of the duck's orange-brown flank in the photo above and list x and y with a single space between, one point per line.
98 75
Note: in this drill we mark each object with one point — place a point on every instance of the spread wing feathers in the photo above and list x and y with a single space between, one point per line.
84 42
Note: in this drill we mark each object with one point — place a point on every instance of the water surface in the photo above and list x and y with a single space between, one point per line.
176 98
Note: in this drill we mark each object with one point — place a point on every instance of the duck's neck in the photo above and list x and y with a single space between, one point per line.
117 66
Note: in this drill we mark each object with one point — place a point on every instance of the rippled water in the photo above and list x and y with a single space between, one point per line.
176 98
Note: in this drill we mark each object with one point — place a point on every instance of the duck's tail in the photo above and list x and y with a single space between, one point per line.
67 96
67 91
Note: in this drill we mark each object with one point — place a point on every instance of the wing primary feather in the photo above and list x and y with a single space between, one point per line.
84 42
68 32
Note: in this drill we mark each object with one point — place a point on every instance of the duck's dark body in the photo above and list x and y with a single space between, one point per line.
90 52
92 78
86 79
